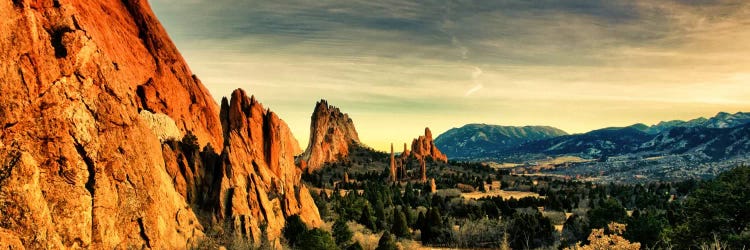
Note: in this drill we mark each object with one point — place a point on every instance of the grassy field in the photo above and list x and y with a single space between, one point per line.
499 193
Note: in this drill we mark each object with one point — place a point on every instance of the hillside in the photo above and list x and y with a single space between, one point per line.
480 140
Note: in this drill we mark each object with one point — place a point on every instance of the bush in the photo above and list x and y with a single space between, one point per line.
482 233
342 233
386 242
317 239
716 212
366 219
189 143
400 226
599 240
530 230
355 246
611 210
294 229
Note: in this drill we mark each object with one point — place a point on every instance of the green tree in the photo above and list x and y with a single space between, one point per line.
575 230
400 226
355 246
317 239
645 228
530 230
342 233
718 208
386 242
380 214
407 214
366 219
610 210
294 229
432 227
420 221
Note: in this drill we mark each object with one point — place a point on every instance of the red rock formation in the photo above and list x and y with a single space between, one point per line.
261 184
332 133
424 146
433 187
422 171
79 168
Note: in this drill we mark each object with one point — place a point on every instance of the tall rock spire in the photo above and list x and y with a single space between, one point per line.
332 134
423 170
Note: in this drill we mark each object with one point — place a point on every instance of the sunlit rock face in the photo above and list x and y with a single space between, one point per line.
424 147
81 168
332 134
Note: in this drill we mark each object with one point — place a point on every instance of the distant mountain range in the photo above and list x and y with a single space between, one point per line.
479 140
721 120
720 137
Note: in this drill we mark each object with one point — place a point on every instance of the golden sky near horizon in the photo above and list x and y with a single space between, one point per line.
398 66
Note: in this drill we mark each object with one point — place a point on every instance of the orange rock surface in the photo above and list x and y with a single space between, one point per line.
423 147
79 168
332 133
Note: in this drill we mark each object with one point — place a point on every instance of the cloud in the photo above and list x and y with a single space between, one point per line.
421 59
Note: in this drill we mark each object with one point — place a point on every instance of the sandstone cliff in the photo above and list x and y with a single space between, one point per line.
332 133
261 184
80 168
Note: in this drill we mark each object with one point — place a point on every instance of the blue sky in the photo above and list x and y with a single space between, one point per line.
399 66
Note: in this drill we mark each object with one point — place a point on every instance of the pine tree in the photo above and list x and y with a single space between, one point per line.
366 219
294 229
400 225
342 233
386 242
407 213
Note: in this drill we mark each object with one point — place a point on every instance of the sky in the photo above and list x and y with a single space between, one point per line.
397 66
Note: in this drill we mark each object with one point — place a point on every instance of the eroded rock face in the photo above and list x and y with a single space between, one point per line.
332 133
261 183
80 168
424 147
83 169
161 125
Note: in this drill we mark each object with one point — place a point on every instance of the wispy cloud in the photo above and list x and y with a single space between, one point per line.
530 60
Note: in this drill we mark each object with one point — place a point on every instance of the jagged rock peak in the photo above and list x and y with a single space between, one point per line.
424 147
332 133
264 182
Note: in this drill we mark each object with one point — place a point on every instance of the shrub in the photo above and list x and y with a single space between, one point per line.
294 229
386 242
342 233
599 240
400 226
317 239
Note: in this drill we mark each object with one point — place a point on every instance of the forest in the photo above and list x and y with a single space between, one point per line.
694 214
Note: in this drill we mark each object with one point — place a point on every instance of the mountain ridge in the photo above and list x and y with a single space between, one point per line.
478 138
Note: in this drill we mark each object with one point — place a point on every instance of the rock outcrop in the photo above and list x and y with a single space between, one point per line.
422 171
261 183
332 134
161 125
81 168
424 147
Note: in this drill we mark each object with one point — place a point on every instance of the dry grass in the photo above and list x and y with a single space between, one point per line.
500 193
